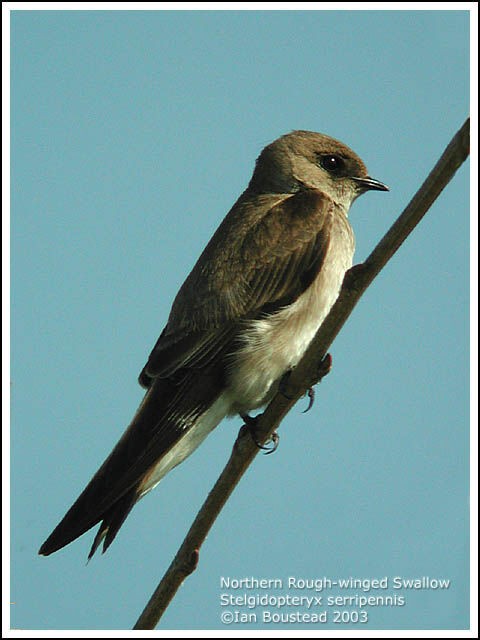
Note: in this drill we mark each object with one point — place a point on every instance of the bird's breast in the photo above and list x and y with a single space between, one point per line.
274 344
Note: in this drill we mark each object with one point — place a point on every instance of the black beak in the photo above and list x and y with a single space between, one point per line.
370 183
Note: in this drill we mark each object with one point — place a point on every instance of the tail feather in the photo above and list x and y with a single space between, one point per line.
169 409
113 520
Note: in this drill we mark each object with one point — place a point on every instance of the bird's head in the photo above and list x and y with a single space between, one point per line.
310 160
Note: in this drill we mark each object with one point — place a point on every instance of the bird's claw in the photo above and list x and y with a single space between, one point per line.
250 423
323 369
274 439
311 397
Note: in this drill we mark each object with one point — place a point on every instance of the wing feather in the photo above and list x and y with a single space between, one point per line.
273 258
276 261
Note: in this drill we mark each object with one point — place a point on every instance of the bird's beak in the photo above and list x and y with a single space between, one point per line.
370 183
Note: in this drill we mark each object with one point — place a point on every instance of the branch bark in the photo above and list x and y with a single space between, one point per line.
304 376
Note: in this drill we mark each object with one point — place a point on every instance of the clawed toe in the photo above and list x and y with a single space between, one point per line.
311 398
251 424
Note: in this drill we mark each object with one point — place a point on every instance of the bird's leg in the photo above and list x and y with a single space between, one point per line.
251 424
323 369
251 421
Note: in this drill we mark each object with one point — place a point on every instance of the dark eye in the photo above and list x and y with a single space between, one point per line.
332 163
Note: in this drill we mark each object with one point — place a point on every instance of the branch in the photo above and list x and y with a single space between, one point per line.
305 375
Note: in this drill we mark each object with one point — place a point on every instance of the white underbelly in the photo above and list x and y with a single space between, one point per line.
275 344
271 346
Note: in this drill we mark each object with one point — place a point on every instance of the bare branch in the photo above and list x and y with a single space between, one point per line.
305 375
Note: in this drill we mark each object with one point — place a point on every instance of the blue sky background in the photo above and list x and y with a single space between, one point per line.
133 132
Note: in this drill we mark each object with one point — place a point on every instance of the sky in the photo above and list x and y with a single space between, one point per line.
132 134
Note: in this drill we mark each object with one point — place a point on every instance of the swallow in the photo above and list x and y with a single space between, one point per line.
244 316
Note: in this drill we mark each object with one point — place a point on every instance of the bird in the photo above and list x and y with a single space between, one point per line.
242 319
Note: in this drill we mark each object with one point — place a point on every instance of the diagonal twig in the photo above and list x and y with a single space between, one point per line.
305 375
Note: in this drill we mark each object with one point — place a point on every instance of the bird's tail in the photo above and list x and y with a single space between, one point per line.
113 520
168 411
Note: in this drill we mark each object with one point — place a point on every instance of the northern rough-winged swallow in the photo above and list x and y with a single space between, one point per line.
243 317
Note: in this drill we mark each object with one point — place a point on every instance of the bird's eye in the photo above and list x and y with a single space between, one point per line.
332 163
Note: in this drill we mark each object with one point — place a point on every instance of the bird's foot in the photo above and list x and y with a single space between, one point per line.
323 369
251 425
311 398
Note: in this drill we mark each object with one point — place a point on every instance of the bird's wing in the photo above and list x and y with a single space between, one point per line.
280 256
